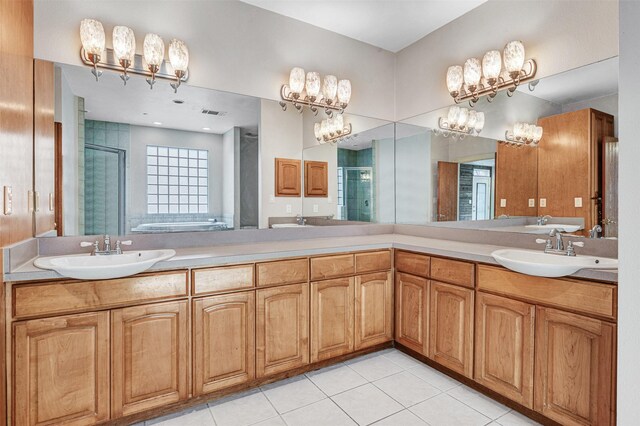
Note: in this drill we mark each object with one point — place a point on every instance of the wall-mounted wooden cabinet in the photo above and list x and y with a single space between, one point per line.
288 176
316 179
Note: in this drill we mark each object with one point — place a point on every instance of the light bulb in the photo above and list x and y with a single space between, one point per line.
537 133
124 44
519 131
479 122
471 120
452 116
317 127
454 80
514 57
324 128
296 80
92 36
344 92
330 88
153 50
462 118
491 66
178 55
338 124
313 84
472 73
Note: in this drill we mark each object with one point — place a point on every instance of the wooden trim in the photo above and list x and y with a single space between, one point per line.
59 168
221 279
282 272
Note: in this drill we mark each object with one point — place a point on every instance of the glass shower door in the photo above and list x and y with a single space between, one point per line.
359 193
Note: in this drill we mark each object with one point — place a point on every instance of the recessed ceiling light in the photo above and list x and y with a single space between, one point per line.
206 128
144 113
157 123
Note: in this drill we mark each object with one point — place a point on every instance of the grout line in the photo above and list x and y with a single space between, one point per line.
468 405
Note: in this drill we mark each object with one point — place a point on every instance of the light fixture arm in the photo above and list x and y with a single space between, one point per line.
287 96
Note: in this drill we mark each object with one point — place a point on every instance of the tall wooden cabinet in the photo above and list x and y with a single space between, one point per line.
62 370
516 180
149 351
223 341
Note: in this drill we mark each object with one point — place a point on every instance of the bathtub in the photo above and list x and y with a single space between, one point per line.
179 227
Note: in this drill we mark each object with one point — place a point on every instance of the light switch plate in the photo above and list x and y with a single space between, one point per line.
8 200
315 208
288 208
543 202
503 202
578 201
532 202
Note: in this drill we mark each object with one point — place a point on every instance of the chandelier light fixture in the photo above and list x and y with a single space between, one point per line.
460 122
123 57
331 129
310 90
494 73
523 134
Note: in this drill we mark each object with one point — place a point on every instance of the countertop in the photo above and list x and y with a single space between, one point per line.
238 253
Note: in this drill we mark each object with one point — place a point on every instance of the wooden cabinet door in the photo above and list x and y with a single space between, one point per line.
282 328
288 176
149 353
574 368
504 347
316 181
223 341
332 317
412 312
451 327
61 370
374 309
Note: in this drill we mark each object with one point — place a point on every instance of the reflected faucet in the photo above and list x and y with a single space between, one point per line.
300 220
542 220
596 232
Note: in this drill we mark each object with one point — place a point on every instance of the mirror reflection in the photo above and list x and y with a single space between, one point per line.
567 179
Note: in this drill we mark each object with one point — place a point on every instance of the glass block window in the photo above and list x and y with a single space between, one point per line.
340 186
177 180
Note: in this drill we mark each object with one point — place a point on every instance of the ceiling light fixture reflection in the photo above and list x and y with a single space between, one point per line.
310 90
460 122
331 129
523 134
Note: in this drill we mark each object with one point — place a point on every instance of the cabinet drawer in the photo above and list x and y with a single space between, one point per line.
332 266
413 263
373 261
453 271
74 296
282 272
223 278
579 296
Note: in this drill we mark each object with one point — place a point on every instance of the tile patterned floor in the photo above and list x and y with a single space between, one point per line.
386 388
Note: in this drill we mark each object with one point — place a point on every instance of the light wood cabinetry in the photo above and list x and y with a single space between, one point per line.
223 341
451 327
326 267
413 263
61 370
373 261
316 179
332 318
516 180
223 278
453 271
149 351
504 346
282 328
282 272
412 312
574 376
373 309
288 175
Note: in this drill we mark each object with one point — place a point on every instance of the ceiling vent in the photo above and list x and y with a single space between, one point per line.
213 112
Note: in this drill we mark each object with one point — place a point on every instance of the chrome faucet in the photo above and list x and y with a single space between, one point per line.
300 220
555 232
542 220
596 232
559 244
106 250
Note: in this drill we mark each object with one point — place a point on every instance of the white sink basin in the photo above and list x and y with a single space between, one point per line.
86 267
548 227
542 264
290 225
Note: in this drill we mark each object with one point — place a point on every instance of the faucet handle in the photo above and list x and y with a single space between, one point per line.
541 241
86 244
577 243
125 242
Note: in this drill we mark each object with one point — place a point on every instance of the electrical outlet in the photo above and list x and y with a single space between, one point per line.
532 202
543 202
8 200
503 202
315 208
288 208
578 201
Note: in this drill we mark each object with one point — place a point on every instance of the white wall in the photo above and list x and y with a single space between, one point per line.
142 136
233 46
230 177
413 179
384 151
326 206
629 205
280 136
560 35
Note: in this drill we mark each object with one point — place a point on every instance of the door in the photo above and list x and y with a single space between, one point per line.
504 347
610 187
412 312
149 352
481 195
574 368
61 370
332 318
316 178
374 309
223 341
104 190
451 327
447 191
288 175
282 328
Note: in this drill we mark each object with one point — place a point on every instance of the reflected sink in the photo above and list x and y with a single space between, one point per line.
86 267
548 227
542 264
290 225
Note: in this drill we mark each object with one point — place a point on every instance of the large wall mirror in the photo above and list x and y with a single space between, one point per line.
569 177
